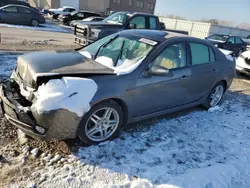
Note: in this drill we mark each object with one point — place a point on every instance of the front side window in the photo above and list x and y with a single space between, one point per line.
10 9
116 51
152 22
231 40
201 54
174 56
118 18
139 22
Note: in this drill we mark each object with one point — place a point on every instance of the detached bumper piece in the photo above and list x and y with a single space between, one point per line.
17 111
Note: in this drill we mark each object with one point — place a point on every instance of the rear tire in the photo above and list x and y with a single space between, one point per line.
34 23
95 127
216 95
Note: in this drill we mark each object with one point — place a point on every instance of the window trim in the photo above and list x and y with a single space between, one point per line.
190 53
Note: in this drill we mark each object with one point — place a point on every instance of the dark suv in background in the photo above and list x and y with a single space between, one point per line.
232 43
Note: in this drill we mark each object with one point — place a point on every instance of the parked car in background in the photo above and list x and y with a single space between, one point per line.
54 13
243 63
232 43
89 19
88 32
76 15
247 40
14 2
17 2
160 72
18 14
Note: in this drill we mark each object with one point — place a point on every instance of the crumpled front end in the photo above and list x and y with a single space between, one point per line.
58 124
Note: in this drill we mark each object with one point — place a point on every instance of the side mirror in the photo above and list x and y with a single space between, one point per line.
132 26
159 71
229 42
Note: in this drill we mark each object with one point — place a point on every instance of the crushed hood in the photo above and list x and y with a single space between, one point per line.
39 64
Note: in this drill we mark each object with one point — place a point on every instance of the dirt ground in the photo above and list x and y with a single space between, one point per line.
15 39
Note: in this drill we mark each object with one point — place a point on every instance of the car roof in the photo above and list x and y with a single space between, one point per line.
16 5
135 13
156 35
88 11
68 7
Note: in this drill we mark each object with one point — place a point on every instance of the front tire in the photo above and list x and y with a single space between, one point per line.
215 96
103 122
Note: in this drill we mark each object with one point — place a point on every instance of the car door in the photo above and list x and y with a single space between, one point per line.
10 15
231 45
204 71
25 15
156 92
239 44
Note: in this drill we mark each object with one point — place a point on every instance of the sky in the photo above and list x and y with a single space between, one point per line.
232 10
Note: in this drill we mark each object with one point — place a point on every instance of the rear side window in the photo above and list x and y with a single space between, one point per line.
201 54
24 10
152 22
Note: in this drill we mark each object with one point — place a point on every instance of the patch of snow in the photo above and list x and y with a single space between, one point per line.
26 149
34 152
212 109
7 63
66 93
86 54
198 150
42 27
22 137
123 67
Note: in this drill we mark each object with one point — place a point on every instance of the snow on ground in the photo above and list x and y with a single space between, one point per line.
42 27
7 63
202 149
199 150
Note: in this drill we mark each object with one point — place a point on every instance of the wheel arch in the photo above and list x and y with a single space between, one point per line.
121 103
224 82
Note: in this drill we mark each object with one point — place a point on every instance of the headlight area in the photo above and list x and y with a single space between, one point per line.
56 111
94 33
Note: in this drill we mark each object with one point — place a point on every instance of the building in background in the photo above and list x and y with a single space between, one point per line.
101 6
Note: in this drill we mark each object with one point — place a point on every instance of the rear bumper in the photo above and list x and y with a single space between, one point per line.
55 125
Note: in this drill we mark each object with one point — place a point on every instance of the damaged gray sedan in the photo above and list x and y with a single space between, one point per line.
123 78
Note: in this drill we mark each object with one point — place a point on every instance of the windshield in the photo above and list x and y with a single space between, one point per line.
118 52
218 37
73 13
117 18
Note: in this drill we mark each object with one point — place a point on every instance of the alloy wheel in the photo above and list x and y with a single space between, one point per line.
216 95
102 124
